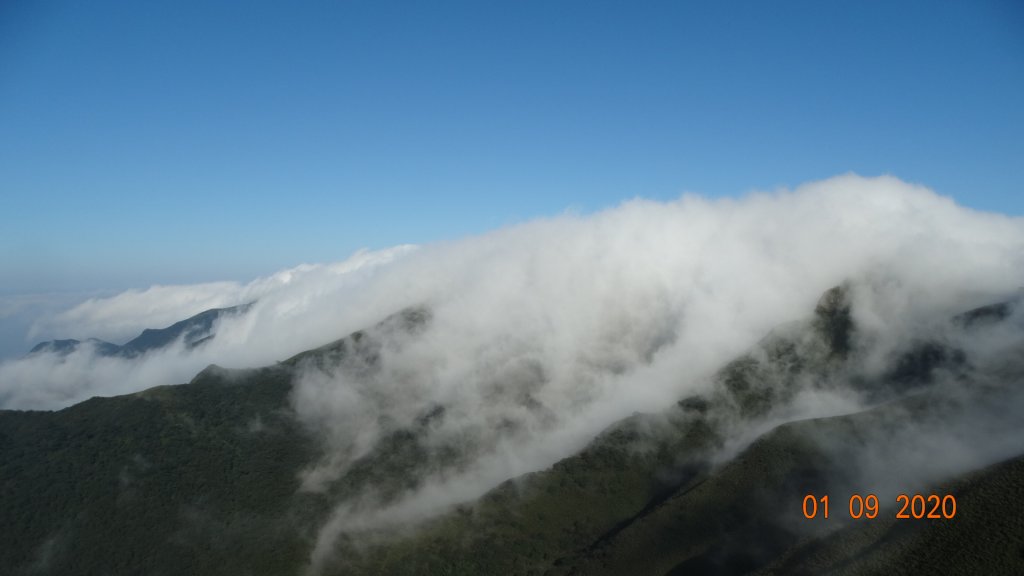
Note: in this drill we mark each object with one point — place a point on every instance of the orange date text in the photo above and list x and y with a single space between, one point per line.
910 506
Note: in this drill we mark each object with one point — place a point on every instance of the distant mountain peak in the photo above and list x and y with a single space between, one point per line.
193 331
68 346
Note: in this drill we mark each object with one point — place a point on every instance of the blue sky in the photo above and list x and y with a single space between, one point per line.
173 142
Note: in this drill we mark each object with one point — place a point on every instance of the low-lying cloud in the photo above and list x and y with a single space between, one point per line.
272 330
543 333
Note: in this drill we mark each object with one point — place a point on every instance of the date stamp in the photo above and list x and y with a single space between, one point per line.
911 506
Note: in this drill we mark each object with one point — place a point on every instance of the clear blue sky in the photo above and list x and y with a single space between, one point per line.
182 141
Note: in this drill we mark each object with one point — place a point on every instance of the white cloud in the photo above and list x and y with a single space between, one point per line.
121 317
690 281
287 298
546 332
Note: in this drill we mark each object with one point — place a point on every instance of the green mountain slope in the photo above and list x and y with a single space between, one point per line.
176 480
647 496
205 477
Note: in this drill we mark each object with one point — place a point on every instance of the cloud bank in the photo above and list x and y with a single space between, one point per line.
544 333
591 302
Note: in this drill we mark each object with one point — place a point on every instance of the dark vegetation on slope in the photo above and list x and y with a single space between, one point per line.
647 498
987 536
203 478
185 479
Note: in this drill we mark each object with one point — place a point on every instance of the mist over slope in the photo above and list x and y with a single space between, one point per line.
541 335
220 476
607 307
651 388
820 405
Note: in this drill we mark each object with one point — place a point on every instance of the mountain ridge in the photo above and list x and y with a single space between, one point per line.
193 331
631 499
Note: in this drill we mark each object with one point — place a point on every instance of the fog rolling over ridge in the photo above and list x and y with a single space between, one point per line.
590 299
517 347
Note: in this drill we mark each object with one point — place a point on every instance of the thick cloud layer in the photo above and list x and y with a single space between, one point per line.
546 333
614 305
542 334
